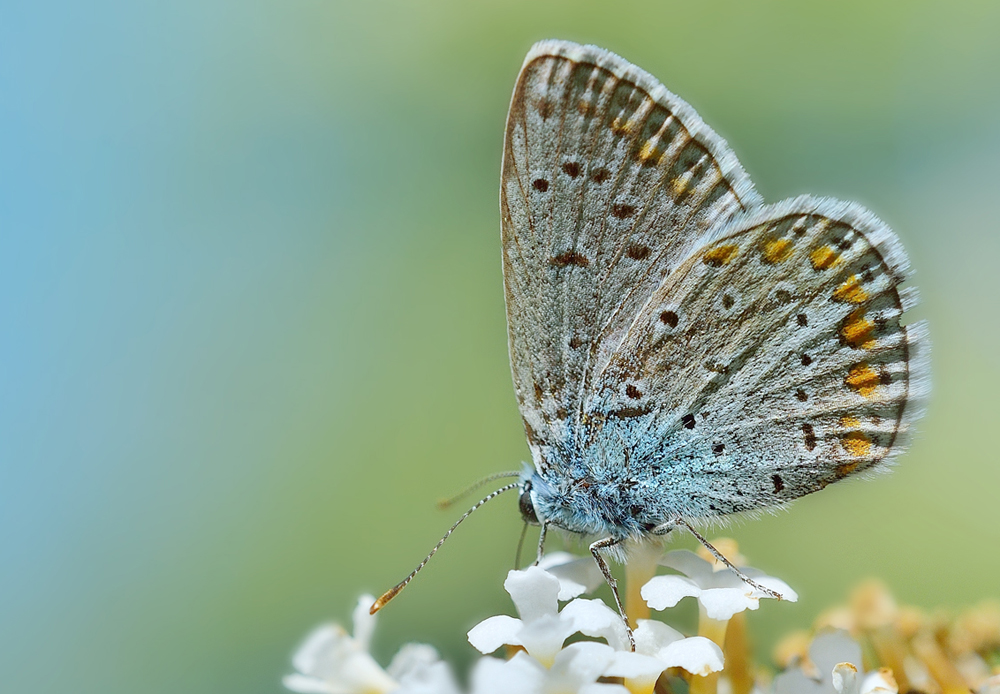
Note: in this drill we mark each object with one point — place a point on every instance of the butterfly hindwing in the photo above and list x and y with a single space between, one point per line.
608 182
771 363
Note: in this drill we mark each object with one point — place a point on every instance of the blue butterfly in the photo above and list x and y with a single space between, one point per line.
682 352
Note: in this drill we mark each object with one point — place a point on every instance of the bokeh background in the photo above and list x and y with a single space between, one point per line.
252 323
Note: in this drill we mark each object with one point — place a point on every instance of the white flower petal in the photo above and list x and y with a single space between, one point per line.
364 621
651 636
723 603
879 682
662 592
535 592
577 575
519 674
831 648
419 670
827 652
845 679
697 654
689 564
493 632
435 678
320 652
309 685
411 658
635 666
591 617
362 673
595 618
331 656
544 637
578 664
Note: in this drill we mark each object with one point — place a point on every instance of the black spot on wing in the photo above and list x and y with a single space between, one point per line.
637 251
600 176
810 436
622 211
779 484
569 258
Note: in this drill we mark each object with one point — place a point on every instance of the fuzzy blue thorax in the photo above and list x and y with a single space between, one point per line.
601 500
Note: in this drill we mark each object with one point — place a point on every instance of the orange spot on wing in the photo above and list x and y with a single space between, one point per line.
824 257
650 152
846 469
681 183
776 250
851 292
857 444
857 331
862 379
720 255
622 126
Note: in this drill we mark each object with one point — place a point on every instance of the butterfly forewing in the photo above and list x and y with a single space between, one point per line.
608 182
769 364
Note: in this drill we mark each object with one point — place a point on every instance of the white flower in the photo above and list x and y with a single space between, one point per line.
721 593
696 654
419 670
331 661
845 678
577 575
880 681
575 669
542 628
837 659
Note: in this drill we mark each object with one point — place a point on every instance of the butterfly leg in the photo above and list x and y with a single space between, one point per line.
595 549
520 546
718 555
541 545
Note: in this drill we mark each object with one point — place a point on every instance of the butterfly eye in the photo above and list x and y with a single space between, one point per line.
527 508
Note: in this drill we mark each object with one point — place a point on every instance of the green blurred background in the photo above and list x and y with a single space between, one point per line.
252 323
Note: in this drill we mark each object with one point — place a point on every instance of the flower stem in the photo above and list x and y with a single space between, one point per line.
715 630
942 670
640 568
739 665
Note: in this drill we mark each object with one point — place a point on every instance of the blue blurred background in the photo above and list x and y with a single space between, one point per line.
252 323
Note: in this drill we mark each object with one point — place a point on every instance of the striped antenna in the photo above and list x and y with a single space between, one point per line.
395 590
445 503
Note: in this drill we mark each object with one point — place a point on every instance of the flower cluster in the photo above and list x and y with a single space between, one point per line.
921 652
545 665
331 661
903 650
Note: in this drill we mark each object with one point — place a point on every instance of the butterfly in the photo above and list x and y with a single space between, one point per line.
682 352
